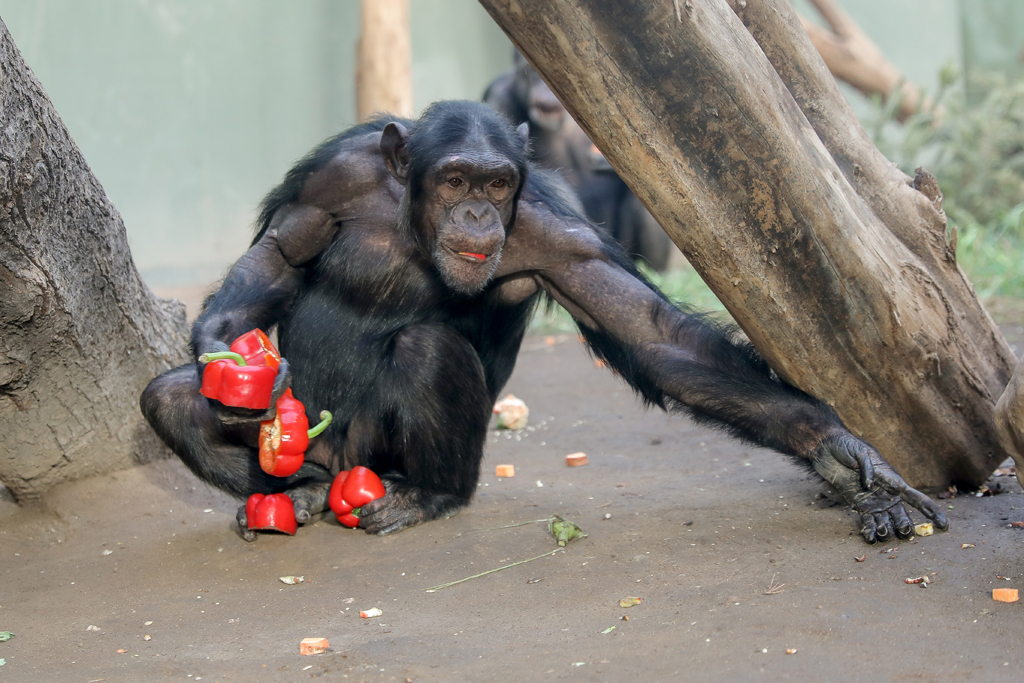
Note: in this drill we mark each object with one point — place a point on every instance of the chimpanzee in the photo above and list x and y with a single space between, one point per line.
400 262
558 143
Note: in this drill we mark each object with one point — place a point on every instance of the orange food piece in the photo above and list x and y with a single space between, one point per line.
313 646
505 471
576 459
1004 594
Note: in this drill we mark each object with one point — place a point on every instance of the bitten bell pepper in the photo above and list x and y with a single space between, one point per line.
244 376
275 512
350 491
283 440
257 349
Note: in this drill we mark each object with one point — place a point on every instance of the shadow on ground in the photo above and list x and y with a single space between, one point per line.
151 553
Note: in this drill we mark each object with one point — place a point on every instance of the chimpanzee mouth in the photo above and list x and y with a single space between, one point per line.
471 256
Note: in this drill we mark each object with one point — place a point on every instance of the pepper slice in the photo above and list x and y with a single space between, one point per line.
275 512
352 490
283 440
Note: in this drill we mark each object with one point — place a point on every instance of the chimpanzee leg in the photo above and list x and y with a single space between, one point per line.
220 454
431 407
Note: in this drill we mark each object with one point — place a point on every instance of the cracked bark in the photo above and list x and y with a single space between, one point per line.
80 333
730 129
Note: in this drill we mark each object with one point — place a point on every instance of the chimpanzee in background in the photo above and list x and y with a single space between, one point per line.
558 143
401 262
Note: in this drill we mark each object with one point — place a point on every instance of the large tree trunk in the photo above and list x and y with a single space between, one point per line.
839 270
80 334
384 59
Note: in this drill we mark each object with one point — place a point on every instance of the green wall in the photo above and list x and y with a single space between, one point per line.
189 111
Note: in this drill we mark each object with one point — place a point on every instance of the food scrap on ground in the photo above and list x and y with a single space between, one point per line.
924 529
313 646
512 413
631 601
292 580
861 558
5 636
923 580
1016 525
576 459
774 588
1004 594
564 530
967 545
608 630
505 471
790 651
370 613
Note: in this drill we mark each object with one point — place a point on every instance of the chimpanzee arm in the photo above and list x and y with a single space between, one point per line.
260 287
686 361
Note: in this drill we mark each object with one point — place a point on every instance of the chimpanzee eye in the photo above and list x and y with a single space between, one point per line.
498 184
454 182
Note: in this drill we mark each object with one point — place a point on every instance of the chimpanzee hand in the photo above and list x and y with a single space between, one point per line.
404 506
872 487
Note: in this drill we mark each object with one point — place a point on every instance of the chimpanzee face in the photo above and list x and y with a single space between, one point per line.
543 108
461 208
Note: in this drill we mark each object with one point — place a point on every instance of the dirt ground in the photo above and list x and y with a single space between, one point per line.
141 577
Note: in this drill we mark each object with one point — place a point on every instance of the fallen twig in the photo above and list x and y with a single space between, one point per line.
434 589
507 526
774 588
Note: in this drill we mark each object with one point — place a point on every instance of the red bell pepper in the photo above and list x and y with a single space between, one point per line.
228 379
257 349
275 512
283 440
350 491
243 377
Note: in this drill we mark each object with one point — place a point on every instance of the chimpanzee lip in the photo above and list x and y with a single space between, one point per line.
471 256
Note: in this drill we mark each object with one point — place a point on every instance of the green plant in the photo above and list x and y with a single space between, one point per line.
977 153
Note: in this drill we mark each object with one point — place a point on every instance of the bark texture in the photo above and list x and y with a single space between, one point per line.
80 333
1010 419
731 130
384 60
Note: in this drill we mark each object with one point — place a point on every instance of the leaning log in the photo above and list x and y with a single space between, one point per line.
836 265
80 333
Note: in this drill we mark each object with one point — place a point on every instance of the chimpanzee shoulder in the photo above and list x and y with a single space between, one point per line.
333 151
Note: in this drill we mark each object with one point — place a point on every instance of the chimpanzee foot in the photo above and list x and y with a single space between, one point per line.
404 506
309 500
244 531
872 488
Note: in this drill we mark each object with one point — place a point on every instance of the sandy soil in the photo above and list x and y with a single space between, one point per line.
699 527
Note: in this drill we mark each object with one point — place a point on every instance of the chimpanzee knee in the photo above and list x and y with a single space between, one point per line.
223 455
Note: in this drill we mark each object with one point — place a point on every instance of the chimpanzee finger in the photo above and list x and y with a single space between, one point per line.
244 531
894 484
867 527
281 382
883 527
901 521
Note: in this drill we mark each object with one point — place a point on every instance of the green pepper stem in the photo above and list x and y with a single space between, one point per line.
325 419
223 355
355 512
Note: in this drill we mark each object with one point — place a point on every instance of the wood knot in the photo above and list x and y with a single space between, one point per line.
928 185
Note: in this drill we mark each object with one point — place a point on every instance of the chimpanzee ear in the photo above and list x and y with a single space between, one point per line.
523 133
392 148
